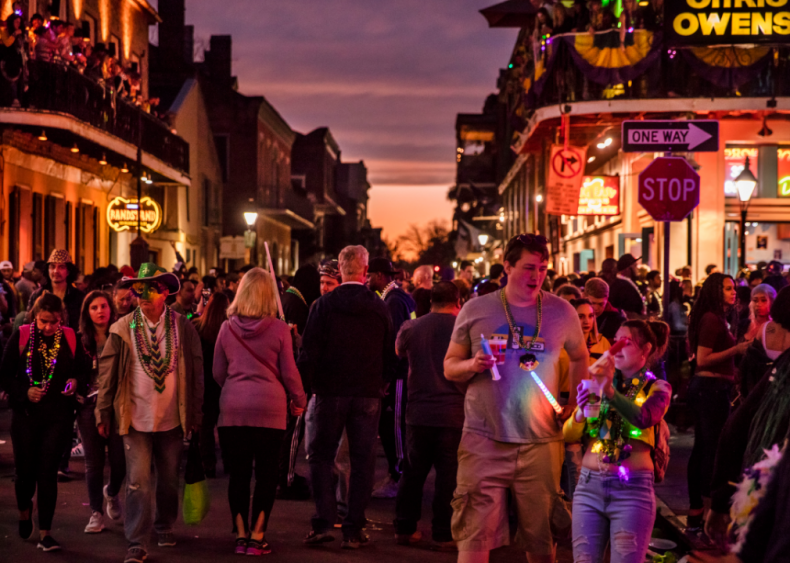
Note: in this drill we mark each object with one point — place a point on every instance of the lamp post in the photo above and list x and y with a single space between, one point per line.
482 238
251 218
745 184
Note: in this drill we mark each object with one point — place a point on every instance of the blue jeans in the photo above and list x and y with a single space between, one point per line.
94 446
360 418
607 510
163 451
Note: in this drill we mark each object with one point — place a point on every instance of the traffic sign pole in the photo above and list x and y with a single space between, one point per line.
665 299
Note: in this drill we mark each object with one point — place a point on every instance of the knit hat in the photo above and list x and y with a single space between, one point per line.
330 269
60 256
151 272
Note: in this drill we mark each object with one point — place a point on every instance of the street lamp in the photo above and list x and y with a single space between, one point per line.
482 238
250 236
251 217
744 184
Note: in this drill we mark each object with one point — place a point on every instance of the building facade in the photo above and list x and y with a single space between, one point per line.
582 86
70 147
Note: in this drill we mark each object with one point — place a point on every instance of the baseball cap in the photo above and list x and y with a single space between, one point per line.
381 266
626 261
5 265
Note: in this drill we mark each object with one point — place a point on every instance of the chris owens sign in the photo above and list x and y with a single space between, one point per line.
122 214
727 22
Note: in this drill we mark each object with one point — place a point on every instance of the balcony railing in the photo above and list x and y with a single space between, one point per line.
55 87
580 67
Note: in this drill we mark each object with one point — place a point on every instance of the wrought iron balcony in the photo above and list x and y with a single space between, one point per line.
611 65
57 88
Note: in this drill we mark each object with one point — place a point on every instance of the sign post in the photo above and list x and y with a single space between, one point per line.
670 136
564 181
668 190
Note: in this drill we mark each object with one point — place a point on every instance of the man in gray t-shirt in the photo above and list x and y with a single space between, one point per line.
512 438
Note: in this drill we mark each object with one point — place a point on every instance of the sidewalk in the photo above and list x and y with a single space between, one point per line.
212 540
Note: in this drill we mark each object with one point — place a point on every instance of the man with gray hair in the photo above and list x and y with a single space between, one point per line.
347 358
609 318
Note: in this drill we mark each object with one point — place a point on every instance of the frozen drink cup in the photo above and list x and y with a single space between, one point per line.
593 407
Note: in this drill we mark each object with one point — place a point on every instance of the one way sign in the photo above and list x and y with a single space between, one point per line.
671 136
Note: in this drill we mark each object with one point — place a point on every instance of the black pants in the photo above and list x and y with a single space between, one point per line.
392 427
241 447
427 447
38 445
709 401
208 446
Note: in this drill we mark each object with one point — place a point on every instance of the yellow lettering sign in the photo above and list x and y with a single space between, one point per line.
710 22
122 214
685 24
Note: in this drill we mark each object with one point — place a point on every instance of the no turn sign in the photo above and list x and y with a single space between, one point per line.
565 174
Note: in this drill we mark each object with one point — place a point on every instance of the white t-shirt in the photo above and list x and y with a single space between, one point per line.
153 411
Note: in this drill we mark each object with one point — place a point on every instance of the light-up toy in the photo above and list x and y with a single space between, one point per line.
554 404
487 349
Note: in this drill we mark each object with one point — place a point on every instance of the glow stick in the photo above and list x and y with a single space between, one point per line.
274 281
487 349
554 404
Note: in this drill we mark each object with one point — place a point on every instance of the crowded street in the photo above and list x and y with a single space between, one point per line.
442 281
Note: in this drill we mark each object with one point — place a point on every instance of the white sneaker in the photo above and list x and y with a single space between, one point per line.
386 489
78 451
96 524
114 508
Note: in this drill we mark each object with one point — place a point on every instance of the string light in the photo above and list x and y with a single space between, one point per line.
75 148
43 136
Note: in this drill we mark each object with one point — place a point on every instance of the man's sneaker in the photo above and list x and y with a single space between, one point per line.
166 539
408 539
48 543
135 554
114 508
317 538
444 546
355 542
258 547
78 451
96 524
386 489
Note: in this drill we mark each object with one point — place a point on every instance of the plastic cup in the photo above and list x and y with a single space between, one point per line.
592 409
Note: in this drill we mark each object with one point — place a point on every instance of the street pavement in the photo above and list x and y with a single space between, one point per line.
212 540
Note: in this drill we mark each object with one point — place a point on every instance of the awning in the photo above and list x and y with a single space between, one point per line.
511 13
287 217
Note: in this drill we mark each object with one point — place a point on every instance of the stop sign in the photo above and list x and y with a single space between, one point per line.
669 188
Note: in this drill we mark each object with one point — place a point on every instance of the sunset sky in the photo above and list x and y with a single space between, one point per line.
386 77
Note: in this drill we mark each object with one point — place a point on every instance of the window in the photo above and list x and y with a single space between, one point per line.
89 27
95 238
38 227
69 223
222 144
50 224
783 172
115 47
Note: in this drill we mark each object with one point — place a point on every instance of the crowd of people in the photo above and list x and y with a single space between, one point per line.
526 391
59 42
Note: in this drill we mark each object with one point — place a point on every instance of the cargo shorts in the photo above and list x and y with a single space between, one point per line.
487 469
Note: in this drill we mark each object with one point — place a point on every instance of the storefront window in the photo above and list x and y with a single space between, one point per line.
783 172
734 162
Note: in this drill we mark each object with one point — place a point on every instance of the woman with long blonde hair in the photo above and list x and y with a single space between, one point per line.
255 367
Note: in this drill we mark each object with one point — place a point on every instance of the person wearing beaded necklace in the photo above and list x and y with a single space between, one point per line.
42 369
151 382
511 439
614 501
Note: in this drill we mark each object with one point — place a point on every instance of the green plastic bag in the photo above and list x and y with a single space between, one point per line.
196 495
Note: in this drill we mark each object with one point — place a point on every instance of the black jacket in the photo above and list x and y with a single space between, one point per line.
753 367
295 311
348 345
401 306
625 296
